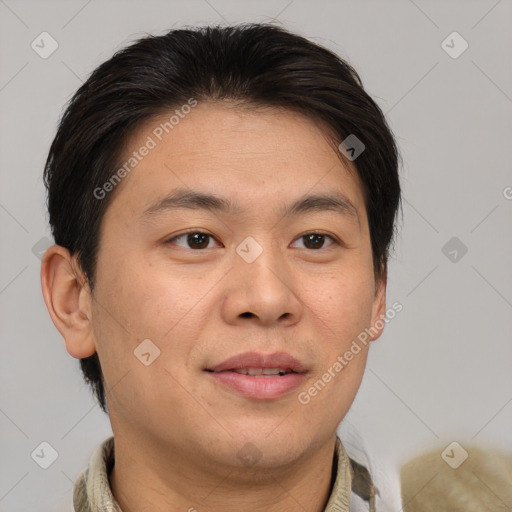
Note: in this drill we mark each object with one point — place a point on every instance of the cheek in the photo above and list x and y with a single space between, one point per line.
134 303
143 300
343 304
340 314
146 301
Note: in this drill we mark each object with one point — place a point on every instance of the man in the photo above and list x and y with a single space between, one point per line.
222 201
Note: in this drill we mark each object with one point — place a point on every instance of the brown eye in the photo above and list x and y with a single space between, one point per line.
315 241
193 239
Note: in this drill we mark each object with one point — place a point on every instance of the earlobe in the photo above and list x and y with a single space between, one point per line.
68 299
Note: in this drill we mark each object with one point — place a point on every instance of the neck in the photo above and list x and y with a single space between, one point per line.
160 478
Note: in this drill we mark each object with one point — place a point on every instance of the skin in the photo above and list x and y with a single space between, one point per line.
177 433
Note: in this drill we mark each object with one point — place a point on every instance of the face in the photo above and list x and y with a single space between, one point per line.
207 284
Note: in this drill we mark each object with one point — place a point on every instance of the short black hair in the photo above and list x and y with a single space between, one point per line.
256 64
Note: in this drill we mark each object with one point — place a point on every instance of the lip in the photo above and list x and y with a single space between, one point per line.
259 387
257 360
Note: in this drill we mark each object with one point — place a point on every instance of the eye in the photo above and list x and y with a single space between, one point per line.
315 240
200 240
194 239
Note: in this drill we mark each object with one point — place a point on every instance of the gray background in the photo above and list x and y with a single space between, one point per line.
441 370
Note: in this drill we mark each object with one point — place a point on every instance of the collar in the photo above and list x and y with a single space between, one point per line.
92 492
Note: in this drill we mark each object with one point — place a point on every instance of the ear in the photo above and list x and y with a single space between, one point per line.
68 299
379 308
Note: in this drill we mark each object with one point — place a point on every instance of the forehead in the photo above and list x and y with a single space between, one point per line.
244 155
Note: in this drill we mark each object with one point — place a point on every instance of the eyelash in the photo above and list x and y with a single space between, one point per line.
193 231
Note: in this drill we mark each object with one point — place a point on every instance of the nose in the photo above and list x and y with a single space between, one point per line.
261 289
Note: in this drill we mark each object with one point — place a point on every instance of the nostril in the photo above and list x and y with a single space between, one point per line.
246 314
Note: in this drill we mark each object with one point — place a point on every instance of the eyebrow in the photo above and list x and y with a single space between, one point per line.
188 199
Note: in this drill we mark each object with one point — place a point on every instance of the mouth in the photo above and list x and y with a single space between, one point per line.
258 372
254 363
258 376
